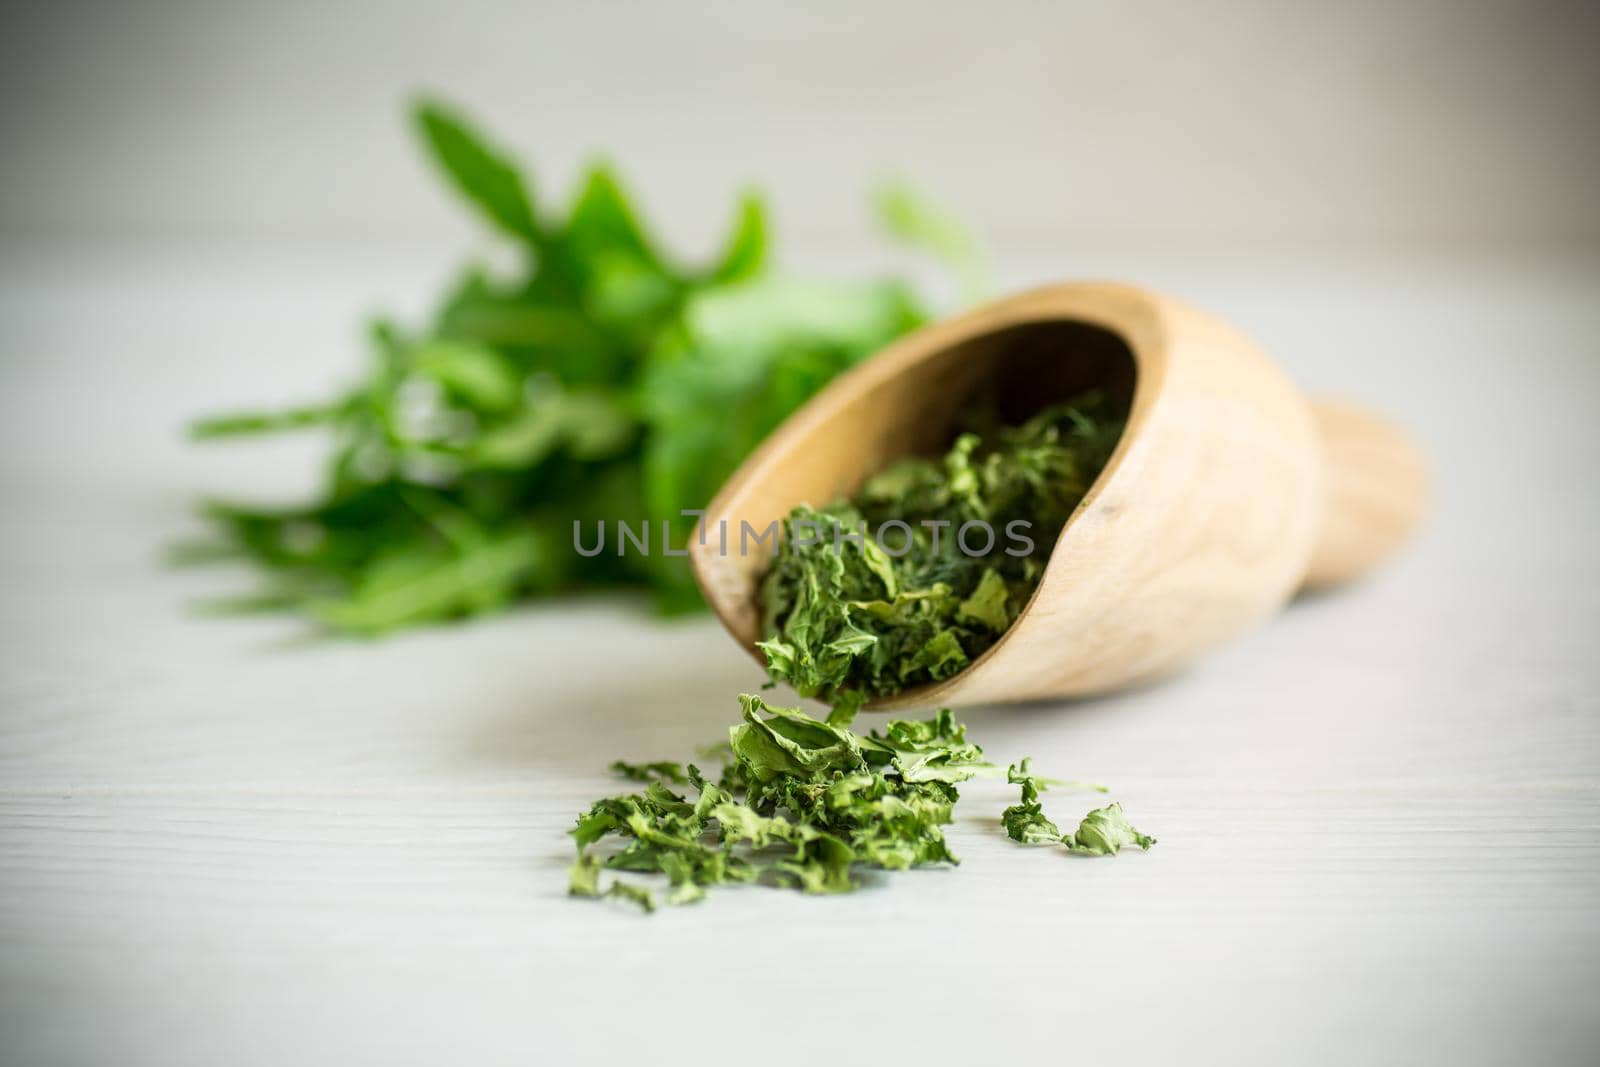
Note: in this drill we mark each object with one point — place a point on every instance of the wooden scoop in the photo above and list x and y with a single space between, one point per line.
1226 494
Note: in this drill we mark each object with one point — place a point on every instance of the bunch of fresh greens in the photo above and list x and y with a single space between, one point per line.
602 381
851 618
805 804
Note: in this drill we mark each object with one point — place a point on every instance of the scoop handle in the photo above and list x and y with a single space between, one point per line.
1377 492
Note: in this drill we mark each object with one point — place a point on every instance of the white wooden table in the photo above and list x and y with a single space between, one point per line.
221 844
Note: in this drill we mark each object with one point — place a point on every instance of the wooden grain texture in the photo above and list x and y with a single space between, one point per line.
1209 514
1379 818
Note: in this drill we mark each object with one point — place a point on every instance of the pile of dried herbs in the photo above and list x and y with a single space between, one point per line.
808 804
854 618
597 380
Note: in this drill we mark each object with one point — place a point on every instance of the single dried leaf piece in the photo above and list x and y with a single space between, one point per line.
584 881
1025 822
1105 832
659 771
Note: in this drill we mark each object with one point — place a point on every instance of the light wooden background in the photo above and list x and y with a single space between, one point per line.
220 843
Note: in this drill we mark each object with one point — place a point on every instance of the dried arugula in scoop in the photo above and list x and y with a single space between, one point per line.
810 804
949 552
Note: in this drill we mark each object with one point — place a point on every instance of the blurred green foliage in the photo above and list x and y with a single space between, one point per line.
601 382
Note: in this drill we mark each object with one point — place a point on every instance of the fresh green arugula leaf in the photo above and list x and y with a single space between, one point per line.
916 221
746 252
249 423
407 586
481 174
